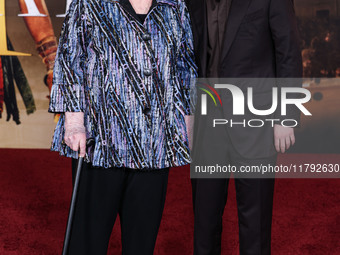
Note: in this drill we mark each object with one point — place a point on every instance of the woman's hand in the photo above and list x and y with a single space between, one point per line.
75 136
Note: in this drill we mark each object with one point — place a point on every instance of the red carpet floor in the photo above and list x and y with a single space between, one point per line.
36 189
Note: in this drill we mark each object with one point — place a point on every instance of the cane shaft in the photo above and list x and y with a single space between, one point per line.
72 207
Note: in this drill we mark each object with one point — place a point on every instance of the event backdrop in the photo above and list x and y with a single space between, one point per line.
30 26
27 48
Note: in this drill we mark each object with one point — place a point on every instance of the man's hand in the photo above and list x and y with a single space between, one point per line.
283 138
75 136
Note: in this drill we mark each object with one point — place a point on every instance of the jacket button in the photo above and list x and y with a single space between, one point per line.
146 37
147 72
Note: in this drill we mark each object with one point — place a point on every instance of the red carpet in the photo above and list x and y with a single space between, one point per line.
36 189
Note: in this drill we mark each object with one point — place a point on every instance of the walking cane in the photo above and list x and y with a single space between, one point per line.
89 142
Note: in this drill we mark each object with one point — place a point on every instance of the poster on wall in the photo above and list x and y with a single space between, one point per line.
28 42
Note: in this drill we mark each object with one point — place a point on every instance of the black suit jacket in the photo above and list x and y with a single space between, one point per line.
261 41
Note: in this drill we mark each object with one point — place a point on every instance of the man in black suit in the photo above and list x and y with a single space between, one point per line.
244 39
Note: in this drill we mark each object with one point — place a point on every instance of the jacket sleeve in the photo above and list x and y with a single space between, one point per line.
67 93
186 66
283 25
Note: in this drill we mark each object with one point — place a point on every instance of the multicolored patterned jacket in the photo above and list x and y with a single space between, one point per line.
131 80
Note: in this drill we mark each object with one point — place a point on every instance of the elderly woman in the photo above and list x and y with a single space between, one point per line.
122 76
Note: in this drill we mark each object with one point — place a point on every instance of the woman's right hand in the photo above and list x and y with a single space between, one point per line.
75 135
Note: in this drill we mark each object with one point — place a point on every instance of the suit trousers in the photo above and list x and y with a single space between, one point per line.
254 204
138 197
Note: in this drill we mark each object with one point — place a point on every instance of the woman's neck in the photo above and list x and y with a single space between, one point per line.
141 6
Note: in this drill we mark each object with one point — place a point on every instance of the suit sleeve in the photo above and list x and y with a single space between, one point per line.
283 25
186 66
67 93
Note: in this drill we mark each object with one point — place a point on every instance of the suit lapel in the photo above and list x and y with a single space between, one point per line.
237 11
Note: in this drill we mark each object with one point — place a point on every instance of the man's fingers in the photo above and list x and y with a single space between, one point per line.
292 139
284 138
277 144
283 145
287 142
